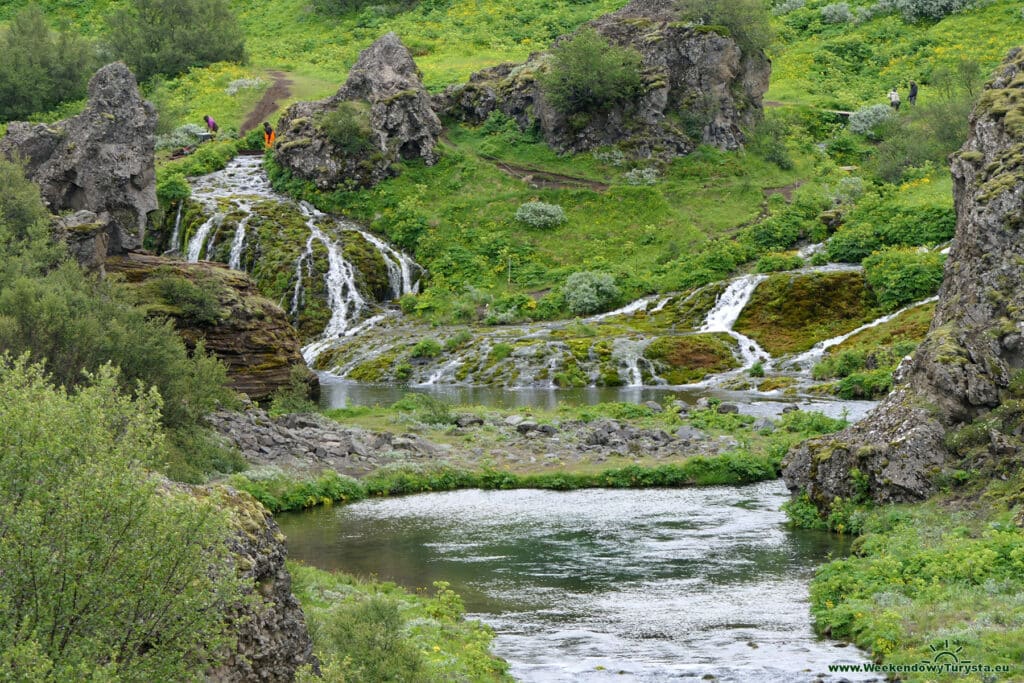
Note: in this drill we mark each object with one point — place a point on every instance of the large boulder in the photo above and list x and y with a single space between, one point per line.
385 111
222 307
100 160
700 87
965 370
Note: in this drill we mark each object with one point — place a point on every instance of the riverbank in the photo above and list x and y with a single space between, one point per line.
420 444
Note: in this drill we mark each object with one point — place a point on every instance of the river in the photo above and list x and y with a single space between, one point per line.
596 585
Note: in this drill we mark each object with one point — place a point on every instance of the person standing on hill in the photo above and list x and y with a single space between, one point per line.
211 125
894 99
912 97
268 135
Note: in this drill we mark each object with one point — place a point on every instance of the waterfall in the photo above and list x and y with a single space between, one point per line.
727 310
176 233
238 187
630 354
806 360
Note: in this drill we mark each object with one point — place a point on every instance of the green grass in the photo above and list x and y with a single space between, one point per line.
365 631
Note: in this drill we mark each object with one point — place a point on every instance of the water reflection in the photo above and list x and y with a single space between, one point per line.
660 584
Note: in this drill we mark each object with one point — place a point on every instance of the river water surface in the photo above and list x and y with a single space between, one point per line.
596 585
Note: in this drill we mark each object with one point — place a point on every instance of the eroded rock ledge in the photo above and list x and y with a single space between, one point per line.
971 361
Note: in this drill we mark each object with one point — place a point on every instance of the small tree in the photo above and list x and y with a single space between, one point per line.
747 21
40 68
171 36
588 74
103 575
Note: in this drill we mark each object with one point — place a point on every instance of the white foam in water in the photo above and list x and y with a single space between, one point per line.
726 311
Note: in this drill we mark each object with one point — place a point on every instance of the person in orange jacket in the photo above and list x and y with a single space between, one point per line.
268 135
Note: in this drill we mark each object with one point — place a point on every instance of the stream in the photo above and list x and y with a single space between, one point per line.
602 585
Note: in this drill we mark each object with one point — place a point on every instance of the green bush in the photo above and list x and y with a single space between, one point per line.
869 121
426 408
134 578
771 263
853 243
588 74
540 215
459 339
768 141
426 348
747 21
348 127
170 37
900 276
197 305
172 189
589 292
40 68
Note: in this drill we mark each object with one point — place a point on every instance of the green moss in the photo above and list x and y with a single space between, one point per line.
690 358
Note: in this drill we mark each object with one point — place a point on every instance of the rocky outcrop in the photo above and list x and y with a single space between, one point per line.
308 443
87 237
269 628
699 87
380 116
100 160
223 308
956 390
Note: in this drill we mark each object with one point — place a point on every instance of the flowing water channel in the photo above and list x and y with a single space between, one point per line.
603 585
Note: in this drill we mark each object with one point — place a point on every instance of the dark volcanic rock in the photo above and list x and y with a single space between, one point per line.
385 86
700 88
250 334
100 160
973 350
271 634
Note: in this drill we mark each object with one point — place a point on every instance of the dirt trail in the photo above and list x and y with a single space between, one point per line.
545 179
280 89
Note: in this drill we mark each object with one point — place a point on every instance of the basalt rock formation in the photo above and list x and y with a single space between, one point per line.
957 401
700 87
100 161
380 116
272 640
223 308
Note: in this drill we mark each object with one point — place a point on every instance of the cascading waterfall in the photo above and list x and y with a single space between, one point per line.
629 353
242 184
176 233
726 311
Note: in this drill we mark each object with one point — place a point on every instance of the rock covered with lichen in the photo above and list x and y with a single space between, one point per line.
380 116
957 401
100 161
699 87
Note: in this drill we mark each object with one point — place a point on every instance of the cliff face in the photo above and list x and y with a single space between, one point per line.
958 396
100 161
379 116
700 87
222 307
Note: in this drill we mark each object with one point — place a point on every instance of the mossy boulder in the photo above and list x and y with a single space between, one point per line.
690 358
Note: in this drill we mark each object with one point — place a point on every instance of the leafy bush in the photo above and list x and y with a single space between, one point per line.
771 263
918 10
641 176
426 408
747 21
293 397
837 13
426 348
86 530
768 141
171 189
853 243
787 6
900 276
348 127
588 74
171 36
460 338
183 136
197 305
540 214
868 120
590 292
40 68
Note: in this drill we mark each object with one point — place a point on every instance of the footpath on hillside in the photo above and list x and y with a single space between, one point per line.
280 89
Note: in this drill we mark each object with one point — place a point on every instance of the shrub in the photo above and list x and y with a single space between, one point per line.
589 292
40 68
788 6
172 189
588 74
293 397
771 263
460 338
867 121
747 21
837 13
171 36
641 176
183 136
426 408
197 305
853 243
426 348
768 141
348 127
540 214
132 576
918 10
900 276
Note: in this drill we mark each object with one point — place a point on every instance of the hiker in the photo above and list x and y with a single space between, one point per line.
211 125
912 97
268 135
894 99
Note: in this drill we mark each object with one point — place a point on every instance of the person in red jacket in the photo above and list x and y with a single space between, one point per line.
268 135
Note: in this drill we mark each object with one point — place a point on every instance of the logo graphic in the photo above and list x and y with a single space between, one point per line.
946 654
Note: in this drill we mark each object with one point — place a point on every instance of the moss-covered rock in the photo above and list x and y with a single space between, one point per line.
690 358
